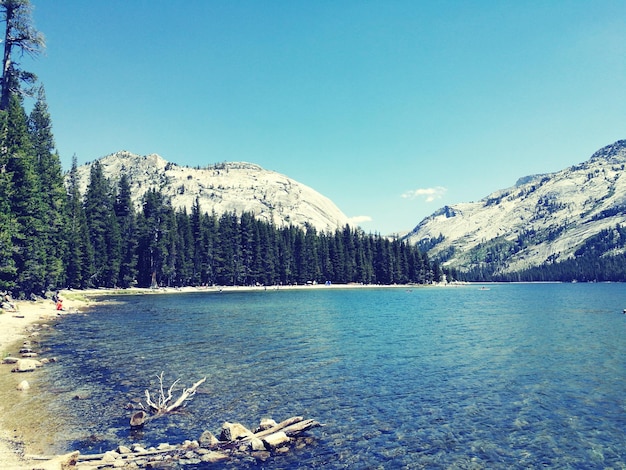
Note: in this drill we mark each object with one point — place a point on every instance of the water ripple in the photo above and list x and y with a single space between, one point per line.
520 376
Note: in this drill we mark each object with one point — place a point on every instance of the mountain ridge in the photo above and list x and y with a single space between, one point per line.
222 187
541 219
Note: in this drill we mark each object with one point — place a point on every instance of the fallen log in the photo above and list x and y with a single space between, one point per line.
300 427
273 429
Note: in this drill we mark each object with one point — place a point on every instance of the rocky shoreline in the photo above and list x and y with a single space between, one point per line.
21 325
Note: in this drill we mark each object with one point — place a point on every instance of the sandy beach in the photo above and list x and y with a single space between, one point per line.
15 328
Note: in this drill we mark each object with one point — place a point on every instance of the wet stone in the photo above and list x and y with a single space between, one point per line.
207 439
261 455
110 456
212 457
257 444
137 448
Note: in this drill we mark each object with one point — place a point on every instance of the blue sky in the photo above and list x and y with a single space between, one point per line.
392 108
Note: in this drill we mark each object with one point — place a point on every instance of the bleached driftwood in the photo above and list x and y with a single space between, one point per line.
163 406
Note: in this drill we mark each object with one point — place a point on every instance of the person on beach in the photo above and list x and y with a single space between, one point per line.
59 303
8 302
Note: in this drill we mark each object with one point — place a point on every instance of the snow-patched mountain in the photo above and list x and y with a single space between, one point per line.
543 218
223 187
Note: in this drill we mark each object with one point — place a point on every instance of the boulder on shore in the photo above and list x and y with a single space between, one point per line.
26 365
23 386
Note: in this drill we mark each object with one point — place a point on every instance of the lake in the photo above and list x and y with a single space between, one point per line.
513 376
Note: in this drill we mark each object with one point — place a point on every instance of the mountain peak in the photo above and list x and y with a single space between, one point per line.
614 153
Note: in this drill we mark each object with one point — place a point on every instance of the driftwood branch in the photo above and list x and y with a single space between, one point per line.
162 405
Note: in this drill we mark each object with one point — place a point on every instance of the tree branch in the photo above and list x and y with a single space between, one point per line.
163 405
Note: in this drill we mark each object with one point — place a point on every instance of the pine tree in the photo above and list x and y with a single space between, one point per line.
127 222
104 233
228 251
169 246
54 195
20 34
199 233
265 263
184 249
26 203
154 240
311 268
8 271
79 256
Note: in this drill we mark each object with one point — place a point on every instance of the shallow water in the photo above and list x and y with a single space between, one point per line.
518 376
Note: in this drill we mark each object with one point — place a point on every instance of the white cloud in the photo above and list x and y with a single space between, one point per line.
429 194
359 219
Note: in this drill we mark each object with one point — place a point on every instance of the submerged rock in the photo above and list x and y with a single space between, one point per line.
276 440
213 457
207 439
138 419
234 431
266 423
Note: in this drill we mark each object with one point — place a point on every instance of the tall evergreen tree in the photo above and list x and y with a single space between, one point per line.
79 256
8 270
127 222
153 239
104 231
265 261
198 229
26 203
228 251
20 35
185 248
54 195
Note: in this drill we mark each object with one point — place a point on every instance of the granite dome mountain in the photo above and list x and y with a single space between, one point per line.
541 220
223 187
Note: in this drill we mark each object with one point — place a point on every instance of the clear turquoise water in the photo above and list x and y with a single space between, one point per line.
517 376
